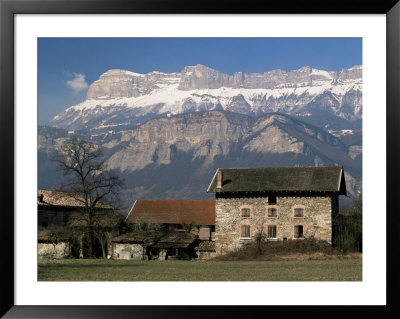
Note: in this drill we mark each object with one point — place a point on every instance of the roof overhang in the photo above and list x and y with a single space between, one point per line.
342 184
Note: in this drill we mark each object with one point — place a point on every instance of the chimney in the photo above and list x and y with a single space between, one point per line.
219 179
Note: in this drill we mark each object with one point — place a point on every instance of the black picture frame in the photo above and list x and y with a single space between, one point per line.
8 10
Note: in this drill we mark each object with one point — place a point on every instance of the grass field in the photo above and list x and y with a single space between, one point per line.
128 270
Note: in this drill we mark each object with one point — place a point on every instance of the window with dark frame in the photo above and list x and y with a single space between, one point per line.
271 233
272 212
298 231
271 199
245 212
245 231
299 212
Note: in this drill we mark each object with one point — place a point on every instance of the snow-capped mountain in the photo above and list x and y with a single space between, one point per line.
119 98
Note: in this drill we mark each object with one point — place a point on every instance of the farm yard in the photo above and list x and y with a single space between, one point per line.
193 174
333 269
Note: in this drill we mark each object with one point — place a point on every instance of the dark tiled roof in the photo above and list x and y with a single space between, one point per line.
170 239
55 198
130 238
198 212
175 240
281 179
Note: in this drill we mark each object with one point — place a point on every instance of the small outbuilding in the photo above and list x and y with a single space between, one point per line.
156 245
129 246
53 243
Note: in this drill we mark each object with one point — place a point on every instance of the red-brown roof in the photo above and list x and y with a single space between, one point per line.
170 211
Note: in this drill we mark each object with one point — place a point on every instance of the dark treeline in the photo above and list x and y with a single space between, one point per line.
348 227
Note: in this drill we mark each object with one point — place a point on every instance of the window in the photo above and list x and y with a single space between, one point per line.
245 231
271 199
298 231
175 227
271 233
299 212
245 212
272 212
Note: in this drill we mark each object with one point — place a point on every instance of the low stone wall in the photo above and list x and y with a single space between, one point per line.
127 251
53 251
206 254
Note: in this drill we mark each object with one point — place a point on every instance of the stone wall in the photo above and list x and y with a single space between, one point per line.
316 220
54 251
127 251
204 255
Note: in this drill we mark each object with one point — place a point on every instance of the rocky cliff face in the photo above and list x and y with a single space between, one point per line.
120 99
207 135
122 83
176 157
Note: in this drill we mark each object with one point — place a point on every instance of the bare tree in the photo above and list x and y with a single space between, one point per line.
106 224
188 227
260 236
87 179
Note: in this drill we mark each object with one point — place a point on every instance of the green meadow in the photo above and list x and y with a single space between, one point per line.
349 269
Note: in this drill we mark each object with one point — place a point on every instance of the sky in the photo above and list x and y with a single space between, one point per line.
67 66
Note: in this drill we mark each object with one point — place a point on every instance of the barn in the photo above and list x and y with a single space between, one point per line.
175 229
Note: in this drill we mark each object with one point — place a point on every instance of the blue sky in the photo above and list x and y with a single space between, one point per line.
67 66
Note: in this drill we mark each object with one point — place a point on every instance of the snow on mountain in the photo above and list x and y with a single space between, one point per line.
173 98
121 96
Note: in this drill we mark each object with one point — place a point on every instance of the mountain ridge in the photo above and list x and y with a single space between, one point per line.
121 98
176 156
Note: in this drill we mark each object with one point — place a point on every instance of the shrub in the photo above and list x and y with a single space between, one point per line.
269 250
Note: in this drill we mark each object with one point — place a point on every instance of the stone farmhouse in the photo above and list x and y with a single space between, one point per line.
281 203
55 210
55 207
187 223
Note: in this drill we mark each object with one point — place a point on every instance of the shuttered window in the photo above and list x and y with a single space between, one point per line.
272 212
299 212
245 231
271 231
245 212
